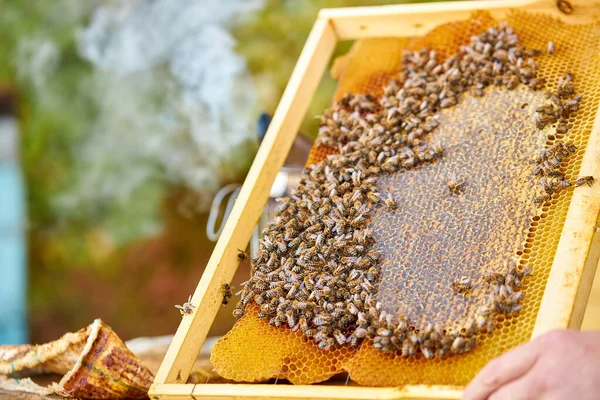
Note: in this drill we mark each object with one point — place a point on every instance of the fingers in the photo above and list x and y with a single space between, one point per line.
525 388
503 370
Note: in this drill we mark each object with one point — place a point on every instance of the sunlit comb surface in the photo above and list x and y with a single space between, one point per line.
473 134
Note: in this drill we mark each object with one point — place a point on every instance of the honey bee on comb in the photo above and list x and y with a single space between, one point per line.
456 185
463 285
390 203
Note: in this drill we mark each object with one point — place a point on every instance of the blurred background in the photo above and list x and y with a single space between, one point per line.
120 121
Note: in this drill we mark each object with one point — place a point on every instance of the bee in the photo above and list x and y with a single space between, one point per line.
304 327
585 180
563 185
537 170
548 186
427 352
462 286
326 344
481 322
300 305
260 285
541 120
289 315
187 308
456 185
390 203
537 83
372 273
242 256
458 345
294 243
339 337
501 292
320 320
238 312
352 309
373 197
563 150
247 295
571 147
274 293
437 149
361 333
566 86
515 298
562 128
259 299
408 348
554 173
542 199
226 289
353 340
555 161
364 262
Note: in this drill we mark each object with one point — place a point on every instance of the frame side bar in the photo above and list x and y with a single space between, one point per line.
573 268
586 282
171 391
410 20
318 392
249 205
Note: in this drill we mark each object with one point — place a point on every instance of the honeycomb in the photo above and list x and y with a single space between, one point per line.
433 232
255 351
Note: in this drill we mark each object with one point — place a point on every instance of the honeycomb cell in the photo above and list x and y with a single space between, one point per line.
254 351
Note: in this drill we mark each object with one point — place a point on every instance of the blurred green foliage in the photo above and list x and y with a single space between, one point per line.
52 121
55 121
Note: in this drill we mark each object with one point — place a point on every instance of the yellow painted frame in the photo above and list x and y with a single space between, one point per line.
573 269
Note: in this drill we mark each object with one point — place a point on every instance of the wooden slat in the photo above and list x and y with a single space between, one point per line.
171 391
314 392
568 287
410 20
586 283
249 205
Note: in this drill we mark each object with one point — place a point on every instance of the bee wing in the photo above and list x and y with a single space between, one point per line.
179 307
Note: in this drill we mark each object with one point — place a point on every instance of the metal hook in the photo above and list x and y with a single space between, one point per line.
564 6
211 231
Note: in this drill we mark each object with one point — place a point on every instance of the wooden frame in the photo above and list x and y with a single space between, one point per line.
573 269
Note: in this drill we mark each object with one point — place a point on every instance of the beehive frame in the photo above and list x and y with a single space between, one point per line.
566 293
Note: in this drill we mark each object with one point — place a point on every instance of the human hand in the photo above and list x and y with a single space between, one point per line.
557 365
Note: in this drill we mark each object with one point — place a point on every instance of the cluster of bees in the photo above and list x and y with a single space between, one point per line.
557 108
548 168
506 296
396 334
315 270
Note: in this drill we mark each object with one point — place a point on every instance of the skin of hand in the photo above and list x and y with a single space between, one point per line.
557 365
